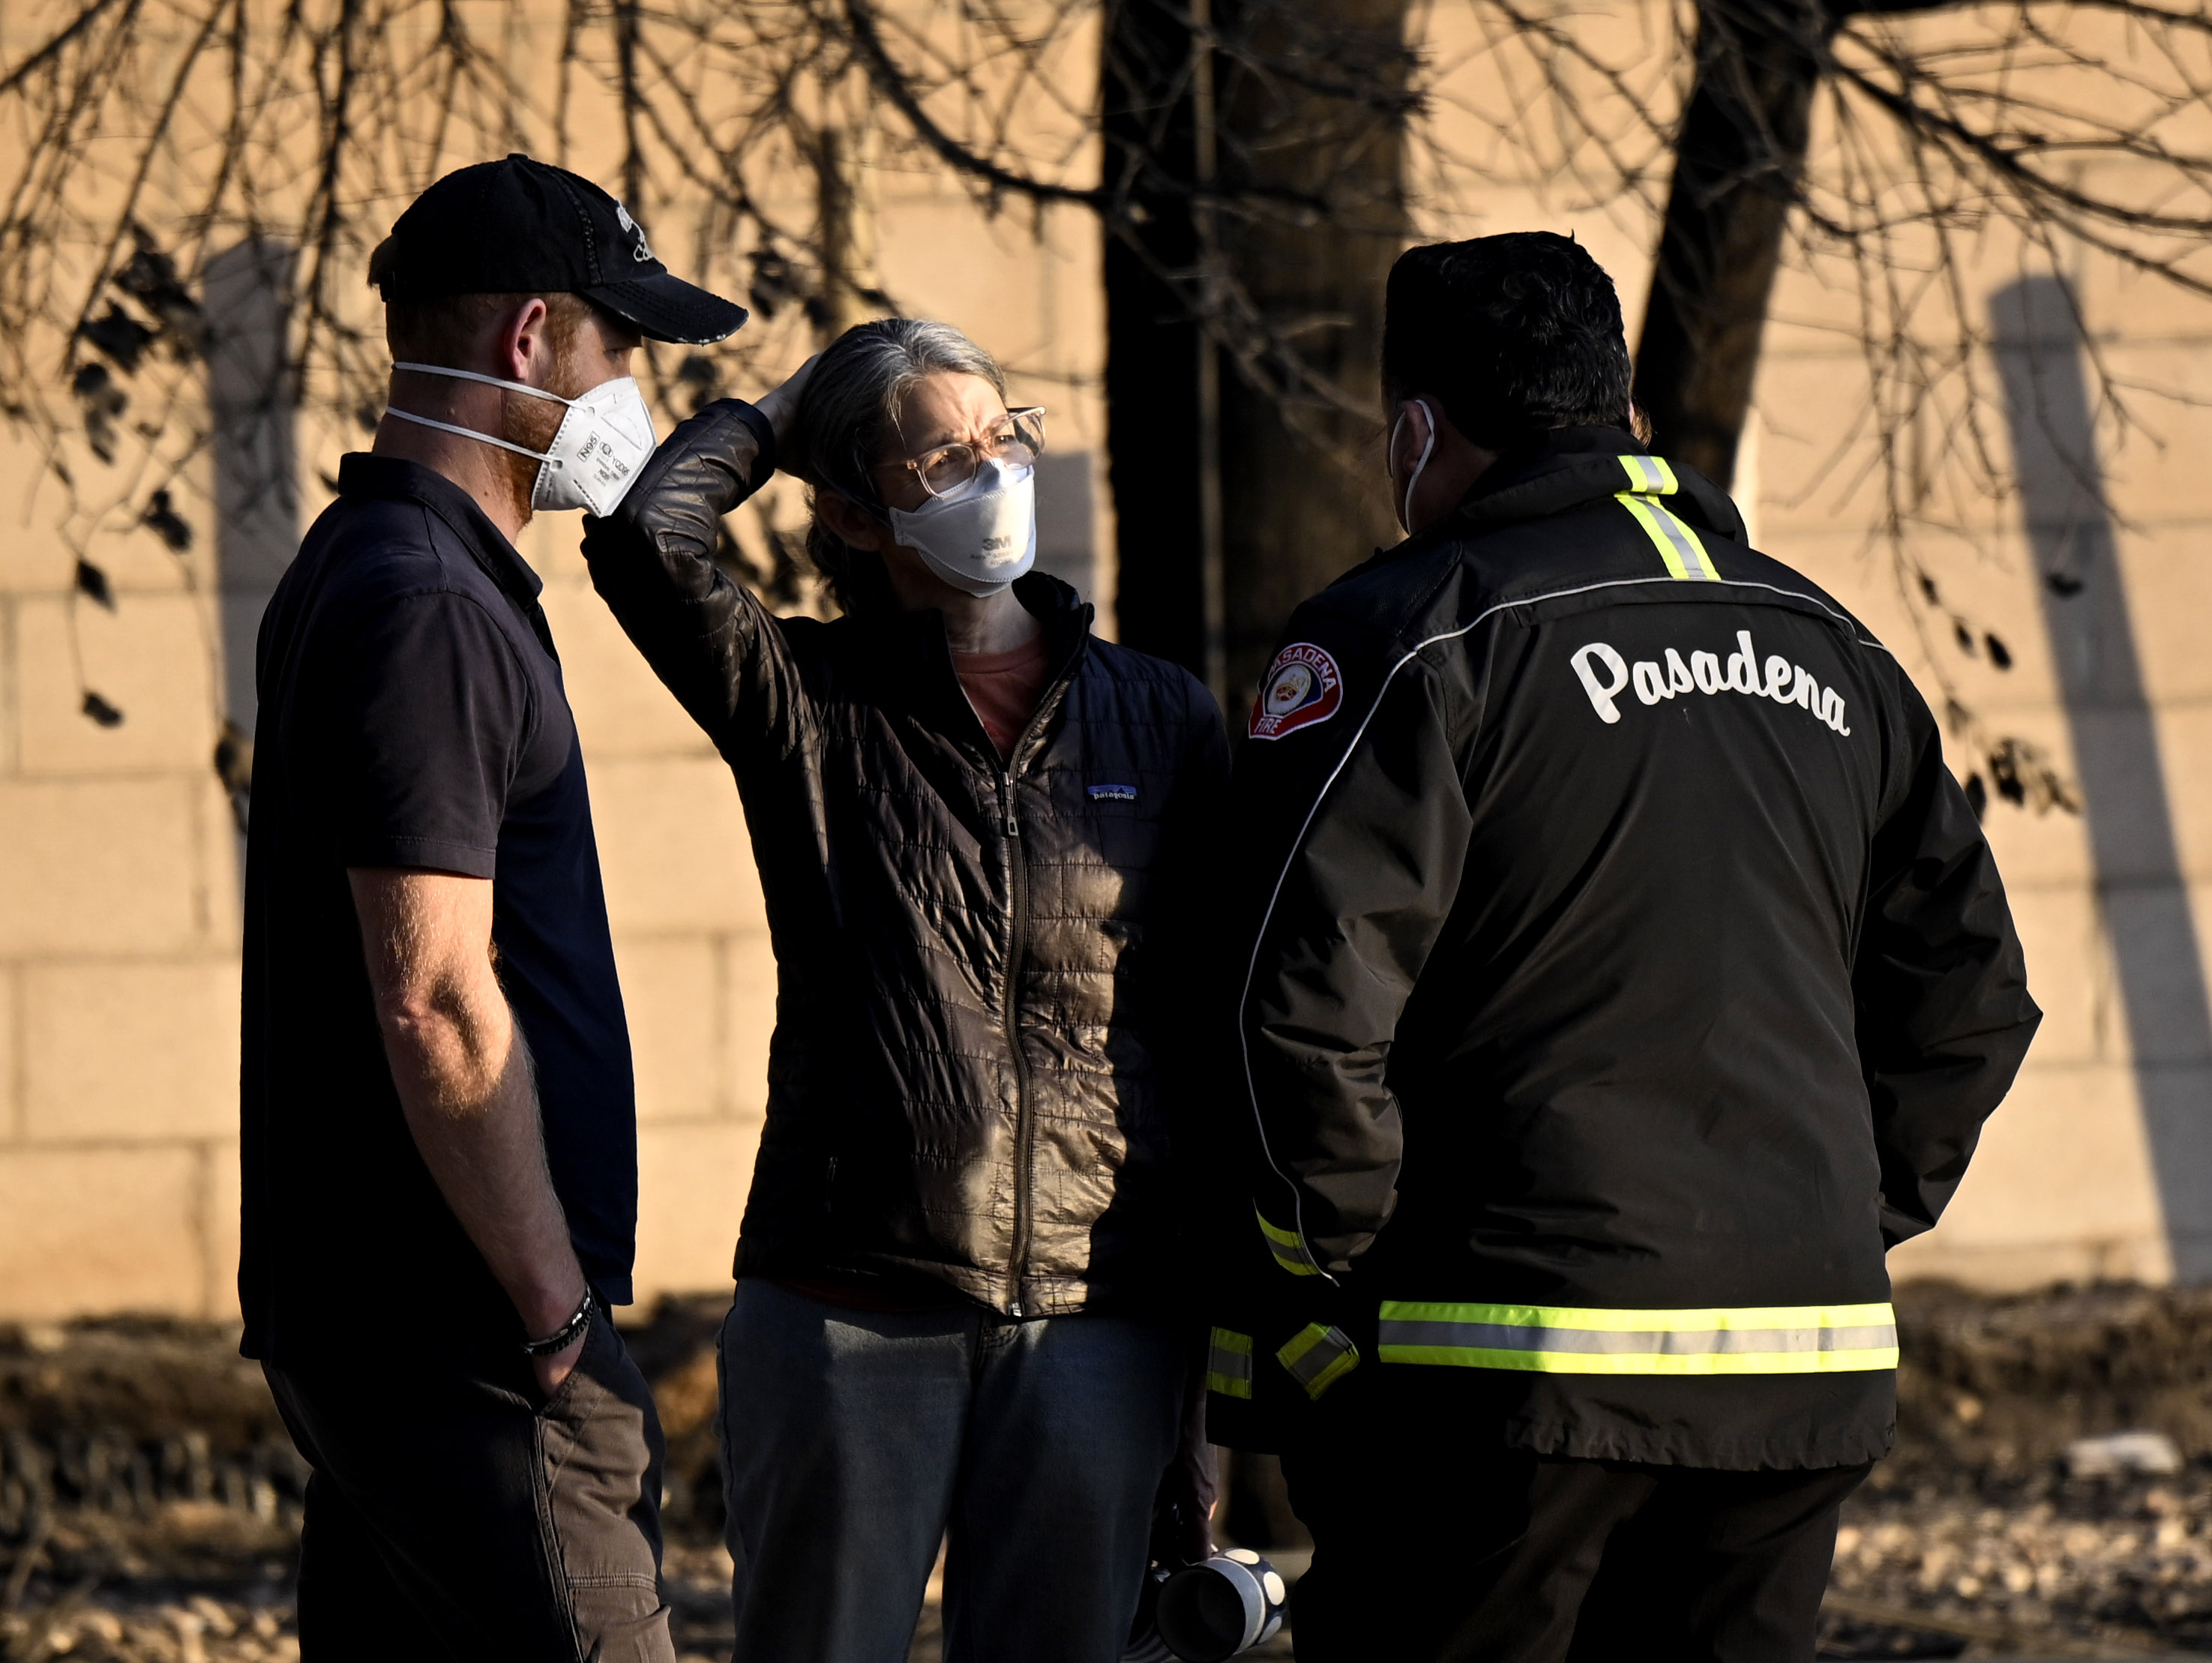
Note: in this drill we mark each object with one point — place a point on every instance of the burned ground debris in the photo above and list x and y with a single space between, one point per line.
150 1503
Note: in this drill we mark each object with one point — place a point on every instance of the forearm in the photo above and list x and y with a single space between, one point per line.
466 1087
463 1076
1333 1138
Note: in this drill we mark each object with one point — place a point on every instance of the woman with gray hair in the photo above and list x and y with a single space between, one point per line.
979 830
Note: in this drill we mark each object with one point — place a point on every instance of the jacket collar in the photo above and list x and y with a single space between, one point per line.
913 644
1569 467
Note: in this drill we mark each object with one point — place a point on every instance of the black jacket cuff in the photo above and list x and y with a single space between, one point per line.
764 432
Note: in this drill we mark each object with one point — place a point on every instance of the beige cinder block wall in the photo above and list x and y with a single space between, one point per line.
117 855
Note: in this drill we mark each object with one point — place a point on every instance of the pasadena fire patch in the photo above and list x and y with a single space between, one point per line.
1301 688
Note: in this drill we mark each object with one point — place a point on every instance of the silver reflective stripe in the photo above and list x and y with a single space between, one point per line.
1778 1339
1649 474
1288 1247
1486 1336
1687 548
1318 1357
1228 1363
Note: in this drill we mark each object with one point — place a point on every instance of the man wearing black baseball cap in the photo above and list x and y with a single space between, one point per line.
438 1138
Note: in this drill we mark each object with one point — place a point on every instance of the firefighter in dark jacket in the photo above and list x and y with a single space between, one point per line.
1622 974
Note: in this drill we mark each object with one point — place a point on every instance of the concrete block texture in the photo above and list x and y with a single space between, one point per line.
101 1229
673 847
220 1197
749 1019
11 1050
2072 974
130 1051
691 1193
622 709
154 658
2064 1168
672 995
101 866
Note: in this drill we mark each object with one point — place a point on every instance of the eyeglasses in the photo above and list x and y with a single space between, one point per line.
1017 442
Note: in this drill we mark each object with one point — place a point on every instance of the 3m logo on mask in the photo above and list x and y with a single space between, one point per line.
1301 686
1605 676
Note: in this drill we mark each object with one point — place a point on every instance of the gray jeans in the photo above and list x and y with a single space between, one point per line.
853 1442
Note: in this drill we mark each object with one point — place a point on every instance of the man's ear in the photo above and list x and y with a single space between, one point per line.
524 343
1411 426
857 528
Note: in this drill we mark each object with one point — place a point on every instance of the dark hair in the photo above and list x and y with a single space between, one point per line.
848 417
1514 334
444 331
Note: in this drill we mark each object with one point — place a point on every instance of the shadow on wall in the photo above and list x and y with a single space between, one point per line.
254 455
2141 890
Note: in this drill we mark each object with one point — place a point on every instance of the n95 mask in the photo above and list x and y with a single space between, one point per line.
604 440
981 536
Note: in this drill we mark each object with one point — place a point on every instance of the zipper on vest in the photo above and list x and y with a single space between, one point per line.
1016 954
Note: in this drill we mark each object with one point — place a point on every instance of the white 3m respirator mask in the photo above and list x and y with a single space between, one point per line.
603 440
981 536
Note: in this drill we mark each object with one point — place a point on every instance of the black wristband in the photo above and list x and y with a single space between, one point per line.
569 1332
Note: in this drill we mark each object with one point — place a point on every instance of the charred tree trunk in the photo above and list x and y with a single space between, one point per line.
1260 473
1152 338
1737 168
1303 494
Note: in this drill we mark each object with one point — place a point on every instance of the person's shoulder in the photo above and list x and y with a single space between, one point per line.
1128 664
1162 680
385 581
1395 600
1756 577
372 555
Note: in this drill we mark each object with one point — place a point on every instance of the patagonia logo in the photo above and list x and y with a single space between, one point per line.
1605 675
1301 688
1113 793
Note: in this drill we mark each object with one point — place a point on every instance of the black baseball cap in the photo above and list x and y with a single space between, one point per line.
520 227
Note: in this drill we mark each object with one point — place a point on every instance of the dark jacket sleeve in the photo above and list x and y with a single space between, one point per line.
709 639
1944 1012
1378 826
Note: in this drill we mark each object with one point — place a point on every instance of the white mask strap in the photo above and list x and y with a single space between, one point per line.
470 432
1405 504
487 380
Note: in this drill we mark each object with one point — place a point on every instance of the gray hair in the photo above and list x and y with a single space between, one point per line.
846 421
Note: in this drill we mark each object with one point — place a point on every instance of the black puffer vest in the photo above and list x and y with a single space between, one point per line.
980 1019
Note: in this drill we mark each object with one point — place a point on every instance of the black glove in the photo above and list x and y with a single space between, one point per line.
712 462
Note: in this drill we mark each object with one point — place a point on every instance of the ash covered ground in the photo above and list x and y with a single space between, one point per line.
150 1503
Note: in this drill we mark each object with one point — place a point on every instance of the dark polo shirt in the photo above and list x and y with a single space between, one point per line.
413 714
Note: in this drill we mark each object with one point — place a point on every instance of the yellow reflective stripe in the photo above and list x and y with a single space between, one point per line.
1318 1356
1678 545
1289 1247
1553 1362
1790 1339
1228 1364
1650 475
